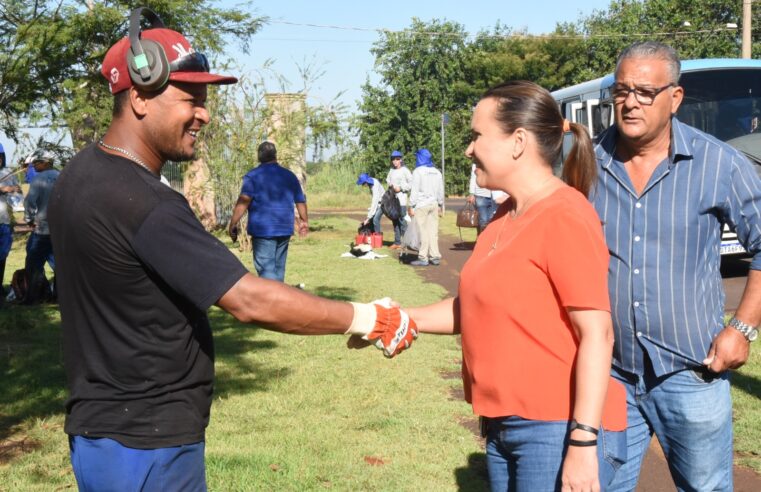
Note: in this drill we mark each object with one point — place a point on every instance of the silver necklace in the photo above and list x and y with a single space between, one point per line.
129 154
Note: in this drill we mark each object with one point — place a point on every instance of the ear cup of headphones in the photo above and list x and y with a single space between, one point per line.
158 66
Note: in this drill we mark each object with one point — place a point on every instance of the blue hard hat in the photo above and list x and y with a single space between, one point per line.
396 153
364 178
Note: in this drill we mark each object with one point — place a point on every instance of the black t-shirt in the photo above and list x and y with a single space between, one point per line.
136 273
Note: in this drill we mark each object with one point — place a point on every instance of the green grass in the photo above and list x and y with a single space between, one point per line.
290 412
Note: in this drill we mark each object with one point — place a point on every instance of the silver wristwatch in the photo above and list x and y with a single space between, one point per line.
749 332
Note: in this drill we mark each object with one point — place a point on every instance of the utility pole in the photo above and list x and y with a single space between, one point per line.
444 122
746 45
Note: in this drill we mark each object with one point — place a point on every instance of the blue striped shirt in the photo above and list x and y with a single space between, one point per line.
665 286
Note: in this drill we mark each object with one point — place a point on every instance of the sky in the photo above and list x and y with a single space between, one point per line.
343 55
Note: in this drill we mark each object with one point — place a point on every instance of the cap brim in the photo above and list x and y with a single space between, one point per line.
202 78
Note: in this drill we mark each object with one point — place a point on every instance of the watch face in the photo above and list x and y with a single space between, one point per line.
752 335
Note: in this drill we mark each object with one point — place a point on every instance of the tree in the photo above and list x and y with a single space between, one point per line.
418 70
50 68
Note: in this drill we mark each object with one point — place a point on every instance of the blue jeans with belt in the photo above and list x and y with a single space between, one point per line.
527 455
691 413
270 254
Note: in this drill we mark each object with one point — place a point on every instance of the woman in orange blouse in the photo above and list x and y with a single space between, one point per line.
533 306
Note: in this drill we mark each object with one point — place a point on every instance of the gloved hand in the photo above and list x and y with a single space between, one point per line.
386 326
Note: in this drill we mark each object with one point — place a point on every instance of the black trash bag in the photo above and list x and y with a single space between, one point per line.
390 205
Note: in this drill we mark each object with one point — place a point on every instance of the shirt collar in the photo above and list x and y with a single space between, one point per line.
680 148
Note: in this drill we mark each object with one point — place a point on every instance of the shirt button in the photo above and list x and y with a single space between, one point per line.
636 271
638 205
636 238
639 333
636 303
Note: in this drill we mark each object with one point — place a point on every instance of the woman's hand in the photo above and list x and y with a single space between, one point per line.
580 470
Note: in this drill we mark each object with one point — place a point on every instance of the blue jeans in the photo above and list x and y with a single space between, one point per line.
691 413
400 227
103 465
6 240
527 455
270 254
376 220
39 249
486 208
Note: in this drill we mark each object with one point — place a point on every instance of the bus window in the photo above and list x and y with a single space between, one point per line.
581 116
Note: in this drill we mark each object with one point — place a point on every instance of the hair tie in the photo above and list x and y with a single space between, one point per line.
566 125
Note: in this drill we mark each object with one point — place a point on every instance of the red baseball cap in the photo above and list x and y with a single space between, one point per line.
176 48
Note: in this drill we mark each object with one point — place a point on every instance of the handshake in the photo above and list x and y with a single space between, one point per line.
383 324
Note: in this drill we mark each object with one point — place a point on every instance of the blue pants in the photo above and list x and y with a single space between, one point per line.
691 413
104 465
486 208
400 227
6 240
527 455
376 220
270 254
39 249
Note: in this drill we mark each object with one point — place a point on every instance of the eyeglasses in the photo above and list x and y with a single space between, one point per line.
643 96
192 62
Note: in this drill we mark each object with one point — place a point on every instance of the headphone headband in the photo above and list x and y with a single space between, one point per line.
140 60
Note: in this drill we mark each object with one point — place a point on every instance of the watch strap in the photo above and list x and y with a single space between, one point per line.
742 327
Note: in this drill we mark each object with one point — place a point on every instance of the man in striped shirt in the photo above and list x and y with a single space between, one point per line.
664 192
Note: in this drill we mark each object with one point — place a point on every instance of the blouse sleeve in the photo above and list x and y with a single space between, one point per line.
577 259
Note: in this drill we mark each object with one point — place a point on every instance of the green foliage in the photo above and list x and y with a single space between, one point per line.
425 74
418 72
50 68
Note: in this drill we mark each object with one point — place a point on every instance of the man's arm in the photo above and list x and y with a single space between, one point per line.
240 208
279 307
30 202
286 309
730 349
301 208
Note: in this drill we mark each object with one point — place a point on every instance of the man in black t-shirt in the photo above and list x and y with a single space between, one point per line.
137 272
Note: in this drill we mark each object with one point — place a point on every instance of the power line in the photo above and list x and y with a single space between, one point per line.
381 30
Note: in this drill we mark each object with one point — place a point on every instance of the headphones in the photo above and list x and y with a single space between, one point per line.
147 62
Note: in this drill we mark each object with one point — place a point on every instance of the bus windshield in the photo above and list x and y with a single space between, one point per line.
726 104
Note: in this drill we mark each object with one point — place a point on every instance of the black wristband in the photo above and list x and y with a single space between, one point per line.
575 425
582 444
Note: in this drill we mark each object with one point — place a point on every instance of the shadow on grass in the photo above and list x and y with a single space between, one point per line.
473 477
32 380
749 384
236 374
336 293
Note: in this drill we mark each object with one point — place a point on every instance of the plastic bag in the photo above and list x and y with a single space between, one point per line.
391 206
467 216
411 238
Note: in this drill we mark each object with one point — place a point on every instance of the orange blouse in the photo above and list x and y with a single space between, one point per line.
518 343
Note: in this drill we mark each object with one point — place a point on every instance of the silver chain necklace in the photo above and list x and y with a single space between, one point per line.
129 154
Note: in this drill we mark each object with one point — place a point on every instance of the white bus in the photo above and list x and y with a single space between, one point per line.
722 96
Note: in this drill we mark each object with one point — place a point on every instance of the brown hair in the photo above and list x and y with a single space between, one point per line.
524 104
